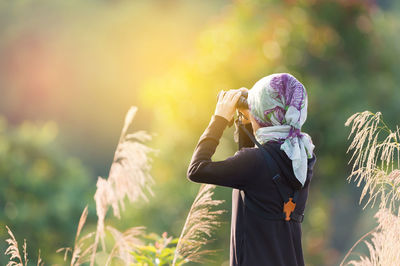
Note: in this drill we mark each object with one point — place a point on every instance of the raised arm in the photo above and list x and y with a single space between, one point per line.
232 172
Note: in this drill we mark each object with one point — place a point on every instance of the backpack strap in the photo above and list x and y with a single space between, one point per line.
289 202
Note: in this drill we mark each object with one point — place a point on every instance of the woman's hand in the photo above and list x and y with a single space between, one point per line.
226 104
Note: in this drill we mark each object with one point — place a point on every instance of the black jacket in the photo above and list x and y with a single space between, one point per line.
254 240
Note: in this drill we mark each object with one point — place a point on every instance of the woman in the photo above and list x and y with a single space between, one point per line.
262 181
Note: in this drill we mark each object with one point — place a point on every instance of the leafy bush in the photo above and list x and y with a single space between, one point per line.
160 251
41 190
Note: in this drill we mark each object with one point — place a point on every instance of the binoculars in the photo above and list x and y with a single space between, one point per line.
242 101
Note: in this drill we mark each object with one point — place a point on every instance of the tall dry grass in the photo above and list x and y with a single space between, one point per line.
13 251
199 225
81 251
129 178
375 159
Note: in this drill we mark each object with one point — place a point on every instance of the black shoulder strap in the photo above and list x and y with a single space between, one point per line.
264 152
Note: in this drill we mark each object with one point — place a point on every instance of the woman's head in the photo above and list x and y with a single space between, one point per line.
278 99
278 103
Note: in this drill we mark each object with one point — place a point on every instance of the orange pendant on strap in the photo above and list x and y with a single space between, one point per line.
288 208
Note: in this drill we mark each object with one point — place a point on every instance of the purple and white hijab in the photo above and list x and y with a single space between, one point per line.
278 103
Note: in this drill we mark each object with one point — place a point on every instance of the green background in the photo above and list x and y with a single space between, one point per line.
69 71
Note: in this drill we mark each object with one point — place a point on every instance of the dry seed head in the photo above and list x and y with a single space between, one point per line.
199 225
374 159
376 164
13 250
384 242
129 176
125 244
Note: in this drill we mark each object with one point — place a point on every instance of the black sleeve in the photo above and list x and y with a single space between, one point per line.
231 172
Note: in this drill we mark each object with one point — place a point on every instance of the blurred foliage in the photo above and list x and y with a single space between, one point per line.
42 191
83 63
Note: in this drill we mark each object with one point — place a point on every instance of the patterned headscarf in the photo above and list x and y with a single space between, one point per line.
278 103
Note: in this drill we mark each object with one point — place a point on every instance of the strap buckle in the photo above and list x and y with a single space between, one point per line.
297 217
